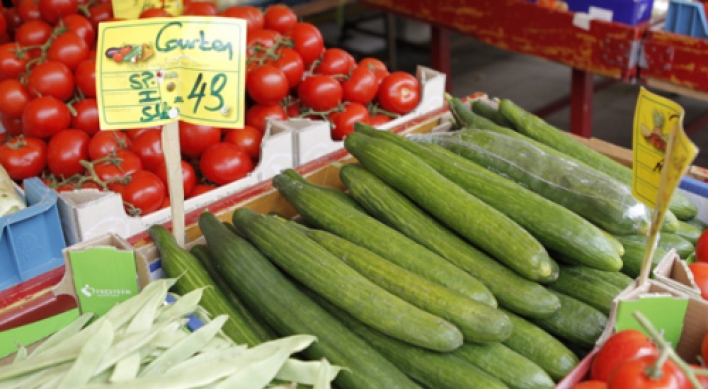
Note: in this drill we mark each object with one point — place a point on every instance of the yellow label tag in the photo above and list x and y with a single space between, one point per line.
660 145
131 9
159 70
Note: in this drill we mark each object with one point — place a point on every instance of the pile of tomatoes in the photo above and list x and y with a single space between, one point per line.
699 268
49 113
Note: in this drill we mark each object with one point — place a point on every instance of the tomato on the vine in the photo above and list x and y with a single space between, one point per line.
23 157
258 115
85 77
223 163
51 78
148 146
343 122
33 33
279 17
101 12
376 66
120 164
290 62
248 138
12 125
633 374
252 15
145 193
267 84
200 189
12 61
622 346
70 49
307 41
700 276
104 142
86 118
154 13
361 86
321 93
28 10
53 10
195 138
13 20
399 93
13 97
379 119
335 61
702 247
200 8
45 116
259 40
65 152
189 176
82 27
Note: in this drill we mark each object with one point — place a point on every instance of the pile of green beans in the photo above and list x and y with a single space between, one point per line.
142 343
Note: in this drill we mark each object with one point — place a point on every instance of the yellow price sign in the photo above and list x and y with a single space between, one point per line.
159 70
131 9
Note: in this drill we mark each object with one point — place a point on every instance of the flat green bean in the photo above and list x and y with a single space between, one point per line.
127 368
63 334
304 372
88 359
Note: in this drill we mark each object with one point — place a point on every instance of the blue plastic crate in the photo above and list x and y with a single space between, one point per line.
686 18
31 239
629 12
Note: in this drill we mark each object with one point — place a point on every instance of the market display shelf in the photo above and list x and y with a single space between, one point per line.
687 18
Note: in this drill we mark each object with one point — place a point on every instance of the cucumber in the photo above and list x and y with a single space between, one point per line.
391 207
634 256
698 224
666 242
434 370
615 278
343 197
540 347
597 293
323 272
690 232
274 298
190 274
201 252
575 322
325 210
470 217
534 127
478 322
487 111
510 367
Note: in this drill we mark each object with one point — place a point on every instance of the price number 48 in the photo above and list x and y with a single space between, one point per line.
216 85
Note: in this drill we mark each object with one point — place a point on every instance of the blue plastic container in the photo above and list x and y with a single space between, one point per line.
31 239
686 18
629 12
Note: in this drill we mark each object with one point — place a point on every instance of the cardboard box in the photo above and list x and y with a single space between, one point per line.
90 213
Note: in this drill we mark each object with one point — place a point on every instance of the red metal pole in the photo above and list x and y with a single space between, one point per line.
582 86
440 53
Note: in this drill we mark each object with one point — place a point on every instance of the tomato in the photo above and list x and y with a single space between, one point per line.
100 13
361 86
33 33
155 13
86 118
51 78
70 49
195 138
13 20
82 27
399 93
200 8
631 374
590 385
53 10
247 138
291 64
335 61
379 119
279 17
223 163
200 189
12 125
321 93
123 164
132 134
267 84
307 41
85 77
189 176
3 25
376 66
258 115
28 10
700 276
261 39
145 193
252 15
104 142
12 63
148 146
13 97
294 109
65 152
44 117
702 247
343 122
621 346
23 157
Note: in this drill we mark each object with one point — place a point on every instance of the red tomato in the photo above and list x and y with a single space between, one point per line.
145 193
13 19
195 138
321 93
622 346
12 64
155 13
104 142
44 117
261 39
33 33
82 27
291 64
632 374
132 134
379 119
375 65
100 13
294 109
13 97
70 49
3 24
590 385
13 126
223 163
189 177
23 157
258 115
702 247
85 77
200 8
279 17
334 62
86 118
700 276
148 146
65 152
267 84
399 93
28 10
247 138
53 10
124 163
51 78
343 122
307 41
361 86
200 189
252 15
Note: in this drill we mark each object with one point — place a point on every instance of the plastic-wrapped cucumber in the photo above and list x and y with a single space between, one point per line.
634 255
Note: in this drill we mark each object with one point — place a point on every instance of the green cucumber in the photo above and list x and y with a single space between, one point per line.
326 210
575 322
690 232
666 242
274 299
574 282
615 278
485 110
478 322
190 274
318 269
541 348
534 127
633 256
505 364
476 221
391 207
698 224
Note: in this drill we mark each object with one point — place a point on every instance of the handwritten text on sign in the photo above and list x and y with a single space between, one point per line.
156 71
